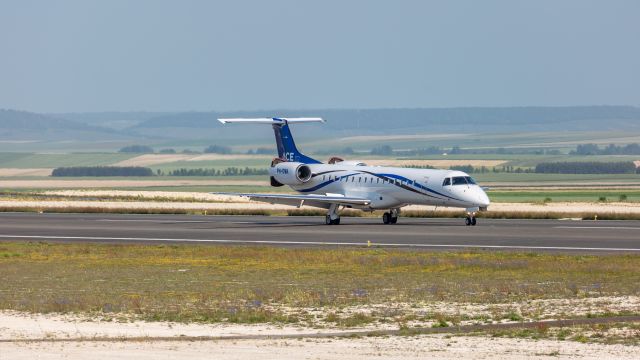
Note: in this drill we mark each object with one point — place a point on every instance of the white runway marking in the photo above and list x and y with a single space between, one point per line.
153 221
323 243
598 227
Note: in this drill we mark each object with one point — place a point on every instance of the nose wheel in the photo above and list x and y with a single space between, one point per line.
470 220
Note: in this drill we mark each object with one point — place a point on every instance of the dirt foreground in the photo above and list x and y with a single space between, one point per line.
31 336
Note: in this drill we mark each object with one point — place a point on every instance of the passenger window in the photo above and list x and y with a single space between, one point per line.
446 182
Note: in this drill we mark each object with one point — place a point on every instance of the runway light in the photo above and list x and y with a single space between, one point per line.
368 243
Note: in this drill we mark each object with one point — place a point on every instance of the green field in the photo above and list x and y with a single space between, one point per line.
498 196
30 160
564 141
258 162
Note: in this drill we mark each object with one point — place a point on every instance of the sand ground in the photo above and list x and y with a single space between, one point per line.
28 336
401 348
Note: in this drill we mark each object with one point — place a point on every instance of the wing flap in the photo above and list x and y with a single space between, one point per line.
298 200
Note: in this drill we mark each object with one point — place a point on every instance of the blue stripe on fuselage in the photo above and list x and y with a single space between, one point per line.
321 185
393 176
419 186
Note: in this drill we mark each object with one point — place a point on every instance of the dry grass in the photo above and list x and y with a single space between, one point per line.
266 284
25 172
140 210
124 183
611 333
43 208
439 164
155 159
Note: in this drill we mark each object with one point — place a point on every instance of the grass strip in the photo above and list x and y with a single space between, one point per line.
249 284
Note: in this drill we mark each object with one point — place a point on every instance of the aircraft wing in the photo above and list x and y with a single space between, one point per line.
321 201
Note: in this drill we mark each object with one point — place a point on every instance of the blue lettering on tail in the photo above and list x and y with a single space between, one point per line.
287 147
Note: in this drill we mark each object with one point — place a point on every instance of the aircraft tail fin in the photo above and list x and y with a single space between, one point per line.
284 139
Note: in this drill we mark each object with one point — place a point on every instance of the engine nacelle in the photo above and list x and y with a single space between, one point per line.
290 173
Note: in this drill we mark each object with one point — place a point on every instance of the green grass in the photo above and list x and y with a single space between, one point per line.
252 284
23 160
534 179
539 196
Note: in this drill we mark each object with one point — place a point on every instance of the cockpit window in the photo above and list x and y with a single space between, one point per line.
459 180
446 182
470 180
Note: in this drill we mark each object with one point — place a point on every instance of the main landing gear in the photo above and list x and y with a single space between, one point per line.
330 221
332 218
391 217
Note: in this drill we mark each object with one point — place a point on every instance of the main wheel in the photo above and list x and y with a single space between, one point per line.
473 221
386 218
336 221
328 220
467 221
394 219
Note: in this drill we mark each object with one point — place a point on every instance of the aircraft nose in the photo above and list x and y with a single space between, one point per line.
483 199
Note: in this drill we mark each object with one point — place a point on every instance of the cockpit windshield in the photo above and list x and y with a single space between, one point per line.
459 180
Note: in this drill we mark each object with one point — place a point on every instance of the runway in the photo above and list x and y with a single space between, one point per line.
410 233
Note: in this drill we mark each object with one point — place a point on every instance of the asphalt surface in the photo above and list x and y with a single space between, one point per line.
409 233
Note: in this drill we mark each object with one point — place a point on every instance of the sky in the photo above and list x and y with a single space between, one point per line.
153 55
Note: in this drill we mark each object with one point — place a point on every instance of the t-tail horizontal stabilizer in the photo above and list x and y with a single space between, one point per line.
271 120
287 149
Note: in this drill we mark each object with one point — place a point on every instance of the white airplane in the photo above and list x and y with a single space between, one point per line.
352 184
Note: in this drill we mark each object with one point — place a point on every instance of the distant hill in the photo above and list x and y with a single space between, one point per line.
200 129
110 119
22 125
406 121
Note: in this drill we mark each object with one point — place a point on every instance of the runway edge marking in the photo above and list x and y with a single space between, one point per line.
325 243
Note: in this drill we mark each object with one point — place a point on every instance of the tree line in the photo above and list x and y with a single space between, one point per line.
587 167
211 149
611 149
230 171
80 171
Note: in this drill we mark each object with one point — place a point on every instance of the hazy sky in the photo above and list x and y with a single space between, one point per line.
62 56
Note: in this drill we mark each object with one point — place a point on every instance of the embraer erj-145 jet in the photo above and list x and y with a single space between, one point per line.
352 184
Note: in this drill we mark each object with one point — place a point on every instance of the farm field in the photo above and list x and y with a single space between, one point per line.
41 160
542 196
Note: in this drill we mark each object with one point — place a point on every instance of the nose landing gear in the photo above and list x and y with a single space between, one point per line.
470 220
